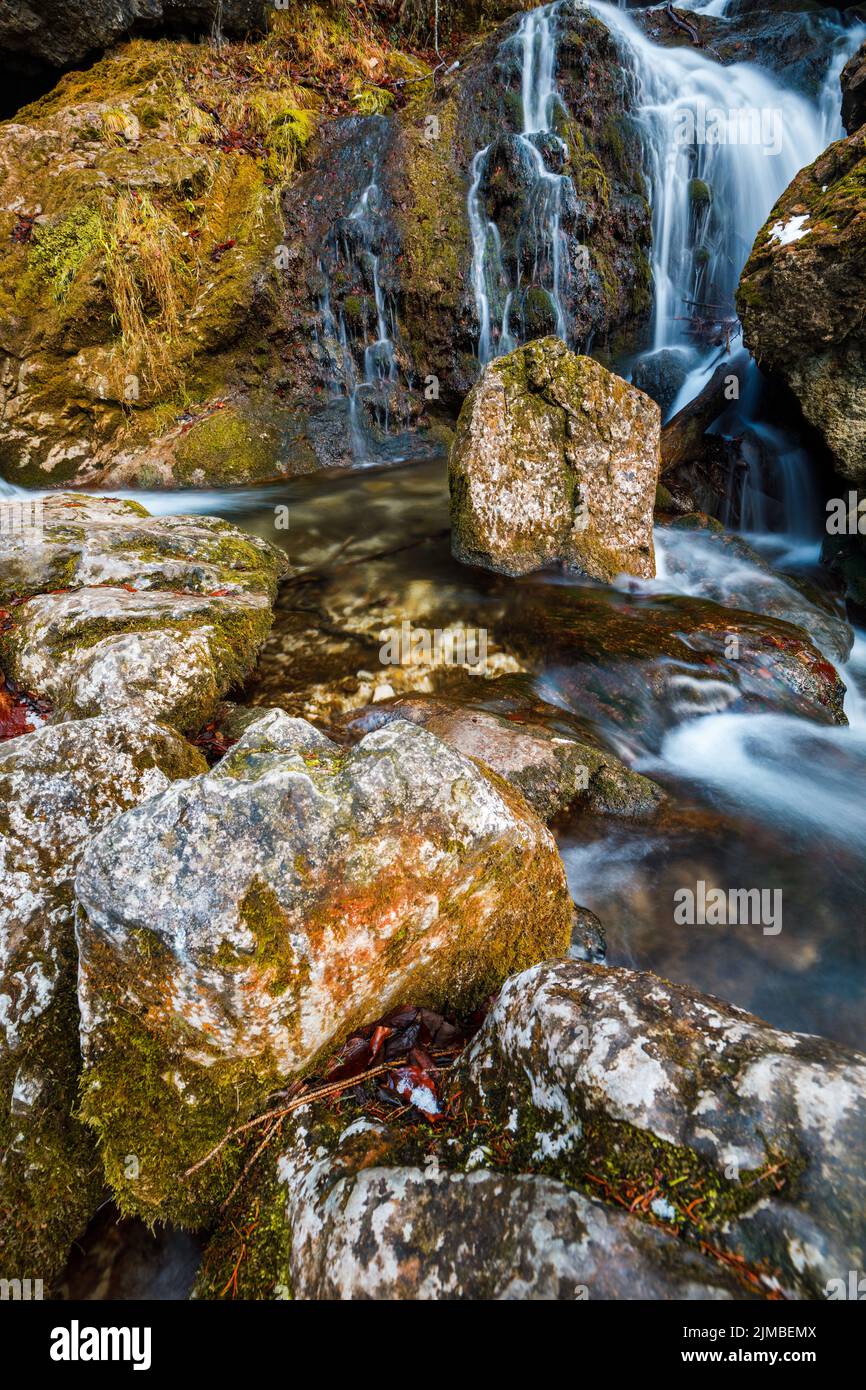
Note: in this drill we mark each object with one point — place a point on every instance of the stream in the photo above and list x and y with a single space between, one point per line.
757 798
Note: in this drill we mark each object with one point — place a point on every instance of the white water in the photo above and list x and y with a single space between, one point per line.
734 129
494 296
376 363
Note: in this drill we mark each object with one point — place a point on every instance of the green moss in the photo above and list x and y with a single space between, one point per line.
223 449
50 1177
700 194
249 1255
155 1114
262 915
61 248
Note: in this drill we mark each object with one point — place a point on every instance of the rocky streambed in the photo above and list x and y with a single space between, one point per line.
430 842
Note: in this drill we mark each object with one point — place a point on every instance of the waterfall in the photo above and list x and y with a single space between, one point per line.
721 144
499 292
357 341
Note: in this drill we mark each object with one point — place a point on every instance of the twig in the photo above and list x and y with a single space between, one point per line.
320 1093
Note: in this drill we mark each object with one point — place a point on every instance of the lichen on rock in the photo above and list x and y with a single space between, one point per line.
58 787
554 459
347 881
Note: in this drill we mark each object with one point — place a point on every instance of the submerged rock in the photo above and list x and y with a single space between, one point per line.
622 1073
58 787
552 771
554 459
807 268
236 928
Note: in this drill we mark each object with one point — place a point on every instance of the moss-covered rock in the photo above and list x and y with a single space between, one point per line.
807 268
84 542
58 787
554 459
266 909
748 1135
335 1214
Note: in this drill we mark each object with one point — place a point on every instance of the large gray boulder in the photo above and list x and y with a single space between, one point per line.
747 1138
427 1233
237 927
555 459
58 786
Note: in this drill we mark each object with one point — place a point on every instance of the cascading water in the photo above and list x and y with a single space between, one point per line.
720 145
539 259
357 341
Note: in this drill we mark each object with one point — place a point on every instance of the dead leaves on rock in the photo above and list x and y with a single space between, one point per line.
19 711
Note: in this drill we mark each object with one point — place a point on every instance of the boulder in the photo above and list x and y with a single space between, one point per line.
614 1078
71 541
807 267
233 931
555 459
105 650
112 608
340 1224
58 786
554 772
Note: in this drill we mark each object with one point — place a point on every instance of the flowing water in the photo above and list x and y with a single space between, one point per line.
497 297
759 796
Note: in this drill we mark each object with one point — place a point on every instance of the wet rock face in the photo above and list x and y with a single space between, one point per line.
576 1047
55 34
552 771
554 459
412 1233
115 608
237 927
807 267
854 91
58 787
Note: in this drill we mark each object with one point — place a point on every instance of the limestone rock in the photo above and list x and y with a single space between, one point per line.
413 1233
58 786
74 541
104 650
554 459
656 1073
238 926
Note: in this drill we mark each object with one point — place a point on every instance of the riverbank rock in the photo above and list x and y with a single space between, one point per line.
807 267
72 541
341 1222
58 786
235 930
111 608
554 772
554 459
624 1075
